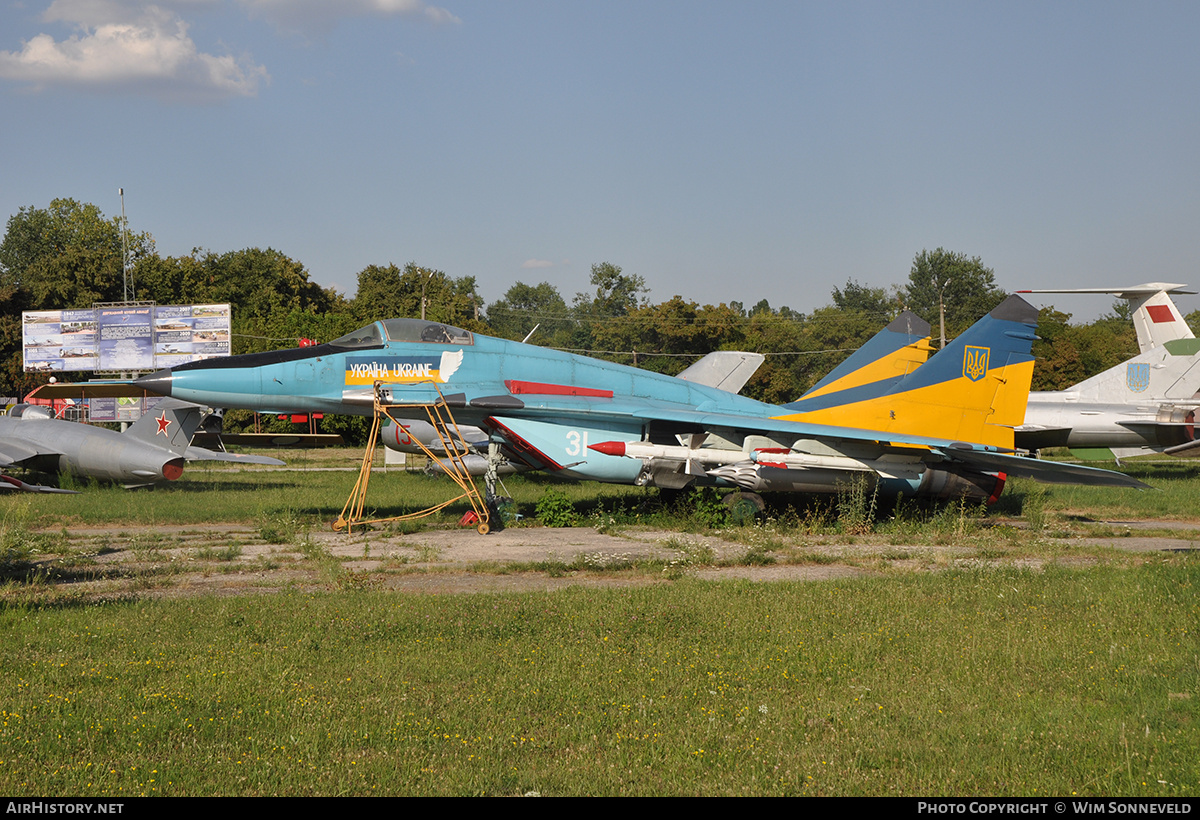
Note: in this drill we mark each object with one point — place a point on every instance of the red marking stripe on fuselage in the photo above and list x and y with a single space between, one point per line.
518 387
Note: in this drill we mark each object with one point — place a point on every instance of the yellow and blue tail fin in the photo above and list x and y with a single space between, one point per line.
975 390
875 368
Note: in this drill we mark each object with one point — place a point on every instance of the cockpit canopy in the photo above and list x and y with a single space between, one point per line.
30 411
404 330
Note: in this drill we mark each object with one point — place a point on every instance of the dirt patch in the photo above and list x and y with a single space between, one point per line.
96 564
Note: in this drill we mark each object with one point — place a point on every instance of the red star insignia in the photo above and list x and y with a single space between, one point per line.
163 424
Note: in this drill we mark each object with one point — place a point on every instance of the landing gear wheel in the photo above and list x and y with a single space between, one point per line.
500 508
743 507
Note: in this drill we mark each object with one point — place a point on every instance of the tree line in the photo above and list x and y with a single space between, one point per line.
69 255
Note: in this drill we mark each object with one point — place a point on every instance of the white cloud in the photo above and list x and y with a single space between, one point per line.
136 46
128 48
322 15
537 263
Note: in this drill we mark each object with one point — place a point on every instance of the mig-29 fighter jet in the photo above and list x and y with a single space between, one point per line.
944 430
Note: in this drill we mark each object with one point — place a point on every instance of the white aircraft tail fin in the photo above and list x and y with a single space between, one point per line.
1157 320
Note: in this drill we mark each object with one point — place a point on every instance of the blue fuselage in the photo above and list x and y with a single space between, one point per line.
558 403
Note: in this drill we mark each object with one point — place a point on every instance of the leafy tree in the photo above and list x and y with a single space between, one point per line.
763 306
383 293
969 287
525 306
65 256
1193 320
273 299
386 292
68 255
14 381
1059 363
259 282
616 292
869 304
661 335
172 280
616 296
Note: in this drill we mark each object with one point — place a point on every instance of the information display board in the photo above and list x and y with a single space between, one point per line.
124 338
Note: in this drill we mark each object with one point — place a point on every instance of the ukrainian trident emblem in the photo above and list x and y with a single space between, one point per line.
975 362
1137 376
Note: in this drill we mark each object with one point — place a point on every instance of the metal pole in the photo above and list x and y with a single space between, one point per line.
124 246
942 311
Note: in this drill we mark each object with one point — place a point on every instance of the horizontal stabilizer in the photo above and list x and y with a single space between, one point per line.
1155 317
194 453
1047 472
1131 292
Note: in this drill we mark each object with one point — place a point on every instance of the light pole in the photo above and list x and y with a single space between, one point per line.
124 245
424 282
942 310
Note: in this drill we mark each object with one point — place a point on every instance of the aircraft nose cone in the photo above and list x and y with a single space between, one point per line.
159 382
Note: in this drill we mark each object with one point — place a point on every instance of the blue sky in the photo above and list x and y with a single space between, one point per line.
722 150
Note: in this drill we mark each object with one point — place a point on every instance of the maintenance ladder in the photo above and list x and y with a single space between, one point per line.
442 420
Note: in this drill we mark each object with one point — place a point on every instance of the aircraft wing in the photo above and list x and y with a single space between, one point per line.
584 409
16 451
194 453
1047 472
105 388
541 447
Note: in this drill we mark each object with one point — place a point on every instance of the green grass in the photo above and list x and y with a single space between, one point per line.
956 683
977 678
306 494
286 499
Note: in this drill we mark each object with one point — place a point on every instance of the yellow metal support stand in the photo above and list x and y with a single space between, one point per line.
443 422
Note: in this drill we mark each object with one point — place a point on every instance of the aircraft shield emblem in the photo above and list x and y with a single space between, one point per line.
975 362
1137 376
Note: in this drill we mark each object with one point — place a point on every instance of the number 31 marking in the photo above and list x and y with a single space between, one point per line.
577 443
